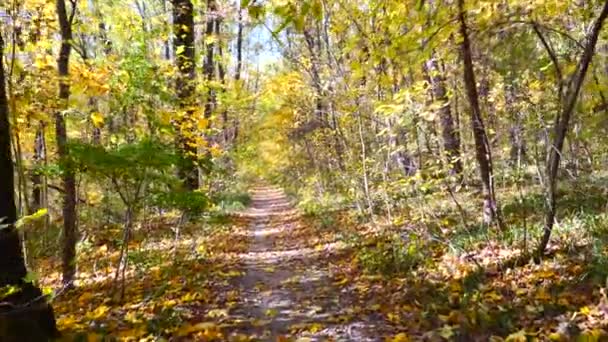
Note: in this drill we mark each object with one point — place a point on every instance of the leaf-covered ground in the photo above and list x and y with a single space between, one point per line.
288 290
274 275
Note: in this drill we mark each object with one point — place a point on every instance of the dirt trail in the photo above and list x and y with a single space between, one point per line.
286 290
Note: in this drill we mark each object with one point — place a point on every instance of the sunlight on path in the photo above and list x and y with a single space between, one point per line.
286 289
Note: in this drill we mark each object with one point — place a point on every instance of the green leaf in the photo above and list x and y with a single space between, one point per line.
31 277
256 11
31 218
317 9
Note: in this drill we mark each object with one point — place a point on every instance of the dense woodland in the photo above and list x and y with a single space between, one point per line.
443 160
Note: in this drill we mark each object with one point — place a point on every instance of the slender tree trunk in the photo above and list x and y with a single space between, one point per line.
449 133
222 76
17 42
483 152
364 171
183 27
561 126
239 64
320 110
208 67
167 43
239 45
69 181
24 315
398 142
517 153
37 187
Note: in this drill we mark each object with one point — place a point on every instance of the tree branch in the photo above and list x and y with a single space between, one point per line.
552 56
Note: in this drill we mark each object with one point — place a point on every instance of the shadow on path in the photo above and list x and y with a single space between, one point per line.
288 292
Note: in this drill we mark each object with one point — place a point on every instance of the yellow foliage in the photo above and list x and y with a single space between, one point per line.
97 119
401 337
208 330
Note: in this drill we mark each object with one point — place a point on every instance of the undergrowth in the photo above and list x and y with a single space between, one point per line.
392 255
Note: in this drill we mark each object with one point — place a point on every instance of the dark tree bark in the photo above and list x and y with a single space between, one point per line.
239 63
239 45
39 155
183 27
24 315
562 121
209 65
167 43
321 107
405 161
483 154
222 75
105 41
69 181
449 133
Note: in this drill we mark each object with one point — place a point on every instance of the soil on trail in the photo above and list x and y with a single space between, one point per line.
286 289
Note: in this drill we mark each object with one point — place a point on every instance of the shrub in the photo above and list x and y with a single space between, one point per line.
392 255
598 230
231 201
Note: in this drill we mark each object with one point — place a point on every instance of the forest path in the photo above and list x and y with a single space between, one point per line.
286 292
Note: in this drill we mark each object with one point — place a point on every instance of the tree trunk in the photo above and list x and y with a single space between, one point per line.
239 65
561 126
183 27
222 76
239 45
69 182
167 47
208 67
449 133
483 153
24 315
39 155
517 153
320 110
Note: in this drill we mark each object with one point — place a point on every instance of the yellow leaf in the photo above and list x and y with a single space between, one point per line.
97 119
205 327
216 152
519 336
446 332
315 328
189 297
203 123
131 333
210 39
341 282
555 336
169 303
101 311
94 337
592 335
216 313
271 312
85 297
400 337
